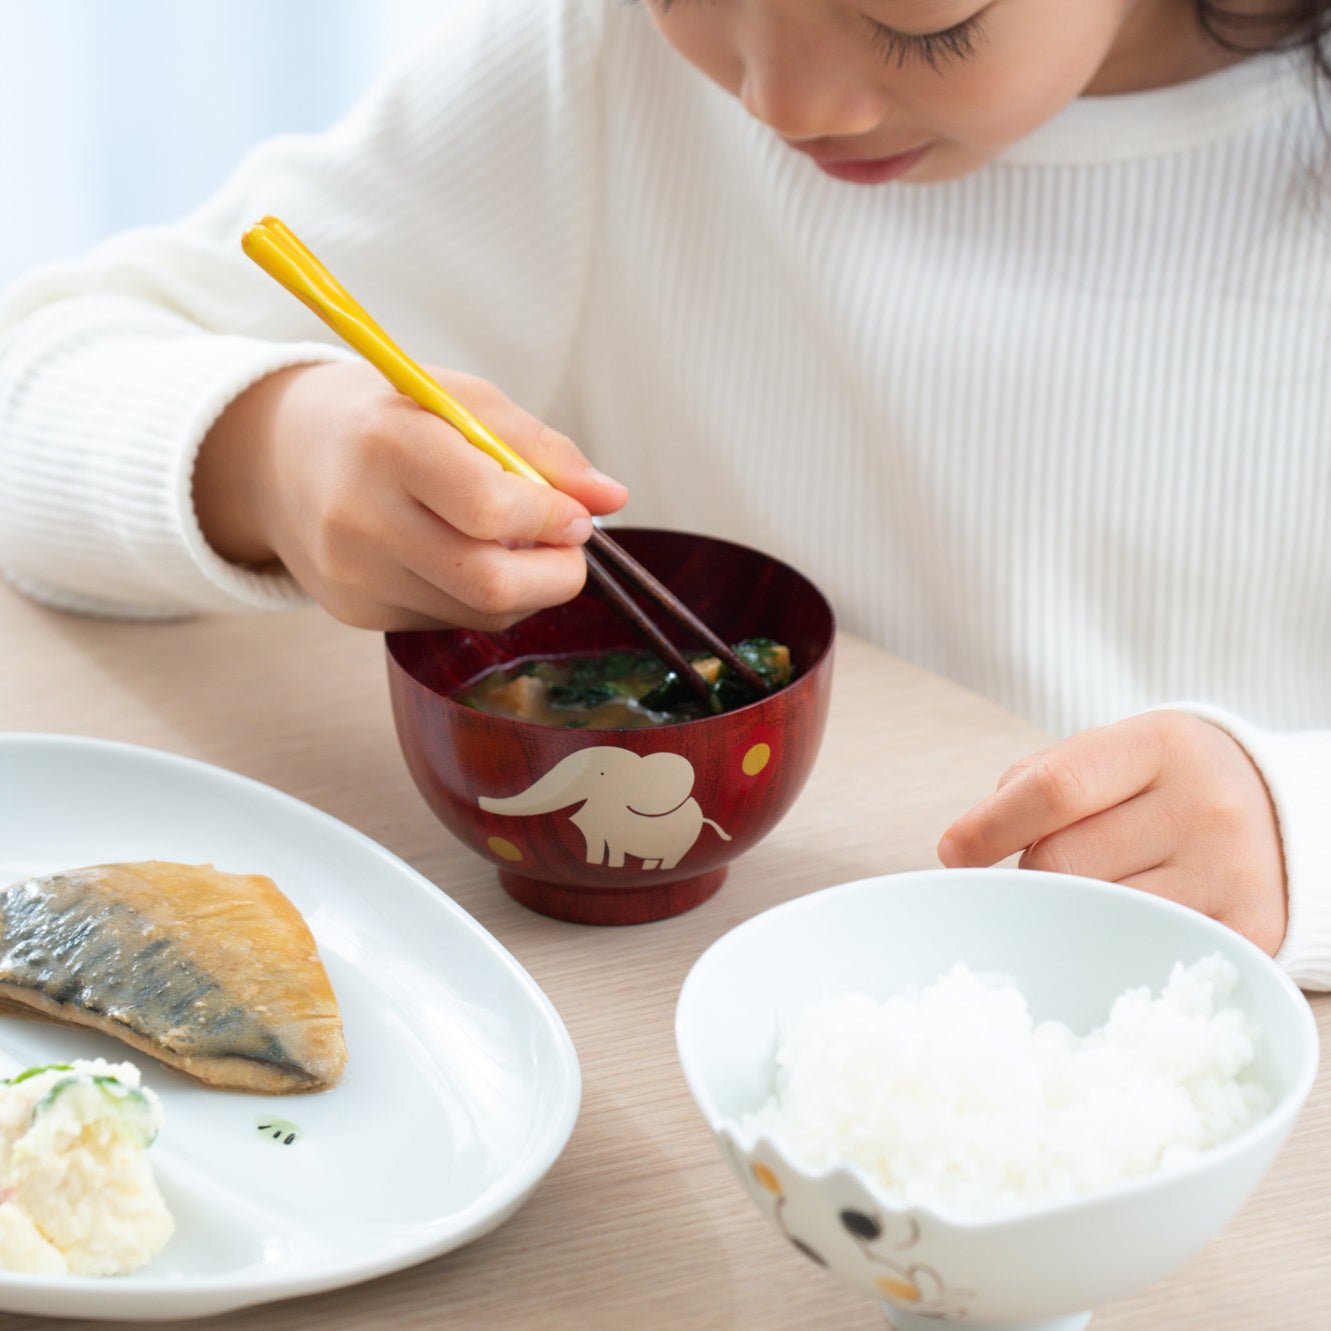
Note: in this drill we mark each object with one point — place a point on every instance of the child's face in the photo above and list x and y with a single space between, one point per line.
922 90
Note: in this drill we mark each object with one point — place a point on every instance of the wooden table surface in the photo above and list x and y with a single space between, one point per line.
639 1224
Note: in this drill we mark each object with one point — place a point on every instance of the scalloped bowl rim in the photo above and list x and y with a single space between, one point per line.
1274 1124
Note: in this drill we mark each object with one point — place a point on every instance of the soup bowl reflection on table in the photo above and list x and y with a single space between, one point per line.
1038 1259
622 826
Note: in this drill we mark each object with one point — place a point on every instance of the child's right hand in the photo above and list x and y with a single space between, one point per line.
386 515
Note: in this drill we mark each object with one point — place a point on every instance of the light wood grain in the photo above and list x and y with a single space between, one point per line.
638 1224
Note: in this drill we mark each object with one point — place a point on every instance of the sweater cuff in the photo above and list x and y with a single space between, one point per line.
91 514
1296 766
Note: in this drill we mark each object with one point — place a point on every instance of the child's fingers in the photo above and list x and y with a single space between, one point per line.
383 565
487 580
401 599
562 463
1240 903
554 455
1018 767
392 598
1116 843
1176 883
1094 770
1256 916
421 604
470 492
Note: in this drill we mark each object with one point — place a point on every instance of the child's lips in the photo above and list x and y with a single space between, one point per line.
865 170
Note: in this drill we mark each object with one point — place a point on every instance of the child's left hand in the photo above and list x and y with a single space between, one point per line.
1164 801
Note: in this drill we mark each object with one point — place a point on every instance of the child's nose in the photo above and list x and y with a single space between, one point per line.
802 98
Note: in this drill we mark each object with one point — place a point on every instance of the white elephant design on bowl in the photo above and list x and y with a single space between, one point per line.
632 804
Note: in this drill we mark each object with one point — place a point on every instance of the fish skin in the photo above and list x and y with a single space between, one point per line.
215 974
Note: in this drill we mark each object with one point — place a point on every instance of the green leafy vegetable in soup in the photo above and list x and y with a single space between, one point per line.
620 690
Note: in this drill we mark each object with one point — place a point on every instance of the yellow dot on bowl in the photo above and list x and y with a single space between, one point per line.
504 848
767 1178
756 759
901 1290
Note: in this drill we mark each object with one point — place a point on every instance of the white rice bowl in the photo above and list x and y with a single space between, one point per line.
953 1098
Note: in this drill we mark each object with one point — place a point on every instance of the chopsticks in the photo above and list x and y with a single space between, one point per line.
286 259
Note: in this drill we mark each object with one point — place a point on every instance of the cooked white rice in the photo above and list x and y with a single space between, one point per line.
954 1098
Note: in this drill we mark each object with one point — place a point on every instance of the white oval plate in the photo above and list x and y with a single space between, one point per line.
461 1087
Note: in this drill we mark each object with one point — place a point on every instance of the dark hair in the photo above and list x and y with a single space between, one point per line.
1285 26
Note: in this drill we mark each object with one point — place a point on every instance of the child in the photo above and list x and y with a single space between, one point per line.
1006 322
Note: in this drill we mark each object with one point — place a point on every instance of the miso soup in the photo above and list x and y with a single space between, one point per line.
620 690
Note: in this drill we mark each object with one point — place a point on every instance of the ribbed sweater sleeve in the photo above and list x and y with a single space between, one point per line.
456 201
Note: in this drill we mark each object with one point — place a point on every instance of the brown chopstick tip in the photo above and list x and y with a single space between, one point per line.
623 602
646 582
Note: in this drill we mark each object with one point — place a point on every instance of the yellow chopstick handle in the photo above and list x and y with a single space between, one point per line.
313 266
275 248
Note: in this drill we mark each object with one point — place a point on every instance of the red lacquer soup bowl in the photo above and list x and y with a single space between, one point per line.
620 826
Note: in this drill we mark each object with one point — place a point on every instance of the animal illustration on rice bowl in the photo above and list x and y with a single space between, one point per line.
632 804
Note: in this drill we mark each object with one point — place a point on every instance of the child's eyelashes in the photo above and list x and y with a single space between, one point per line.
934 49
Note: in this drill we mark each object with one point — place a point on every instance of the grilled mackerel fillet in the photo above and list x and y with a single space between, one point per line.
213 973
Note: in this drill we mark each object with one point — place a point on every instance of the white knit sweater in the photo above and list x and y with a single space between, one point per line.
1060 430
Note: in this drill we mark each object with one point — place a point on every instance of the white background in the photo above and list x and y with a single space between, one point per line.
115 113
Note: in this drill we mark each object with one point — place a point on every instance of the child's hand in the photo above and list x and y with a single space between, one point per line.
1164 801
384 513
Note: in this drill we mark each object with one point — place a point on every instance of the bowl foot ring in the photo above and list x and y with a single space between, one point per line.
612 905
903 1320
